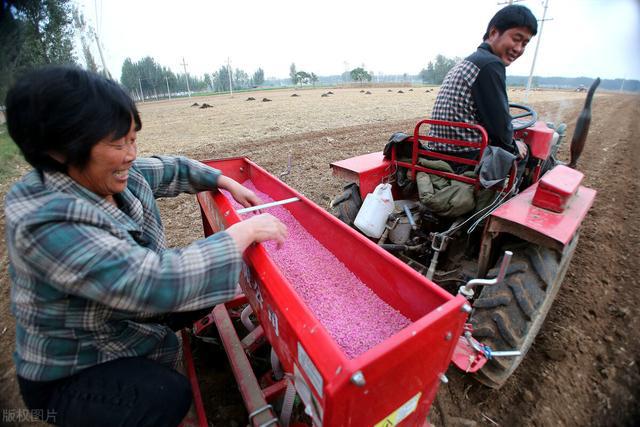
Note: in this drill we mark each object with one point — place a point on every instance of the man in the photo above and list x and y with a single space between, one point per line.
474 91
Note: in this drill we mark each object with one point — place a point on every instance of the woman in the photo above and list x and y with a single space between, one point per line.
88 264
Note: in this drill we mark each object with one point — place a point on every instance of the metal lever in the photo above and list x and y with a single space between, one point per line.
467 290
407 212
476 346
267 205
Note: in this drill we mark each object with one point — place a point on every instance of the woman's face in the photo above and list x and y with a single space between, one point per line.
107 171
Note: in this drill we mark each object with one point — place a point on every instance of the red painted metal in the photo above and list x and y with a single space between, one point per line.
250 390
193 379
406 366
275 389
253 340
418 152
556 188
367 171
371 169
466 358
539 138
560 227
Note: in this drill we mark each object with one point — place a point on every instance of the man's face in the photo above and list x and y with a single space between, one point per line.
510 44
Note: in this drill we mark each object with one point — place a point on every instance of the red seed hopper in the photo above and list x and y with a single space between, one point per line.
392 382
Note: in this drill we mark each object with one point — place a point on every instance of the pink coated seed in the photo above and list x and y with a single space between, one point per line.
355 317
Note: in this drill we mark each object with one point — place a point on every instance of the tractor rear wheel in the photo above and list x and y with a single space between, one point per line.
345 206
508 316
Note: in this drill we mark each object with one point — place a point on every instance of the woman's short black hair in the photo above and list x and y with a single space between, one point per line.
66 110
510 17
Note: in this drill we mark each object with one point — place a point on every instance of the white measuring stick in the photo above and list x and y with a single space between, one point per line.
267 205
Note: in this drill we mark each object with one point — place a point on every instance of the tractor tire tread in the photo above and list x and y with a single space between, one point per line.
509 315
494 301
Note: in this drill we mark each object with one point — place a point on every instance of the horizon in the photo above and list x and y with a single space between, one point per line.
338 36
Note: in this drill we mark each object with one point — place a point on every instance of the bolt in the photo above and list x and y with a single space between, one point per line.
358 379
448 336
444 379
466 308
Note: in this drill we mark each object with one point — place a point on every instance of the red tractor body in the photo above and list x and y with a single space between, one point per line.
534 218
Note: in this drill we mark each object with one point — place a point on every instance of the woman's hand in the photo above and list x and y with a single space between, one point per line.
241 194
259 228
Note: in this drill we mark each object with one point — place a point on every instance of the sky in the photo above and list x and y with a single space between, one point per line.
591 38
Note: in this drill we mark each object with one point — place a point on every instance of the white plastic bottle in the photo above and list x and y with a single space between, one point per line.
377 206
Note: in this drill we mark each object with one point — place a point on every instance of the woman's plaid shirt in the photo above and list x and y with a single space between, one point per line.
85 274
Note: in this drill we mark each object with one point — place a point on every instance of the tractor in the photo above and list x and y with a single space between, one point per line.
507 253
473 285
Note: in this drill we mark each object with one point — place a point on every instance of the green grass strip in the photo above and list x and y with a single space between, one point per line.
10 157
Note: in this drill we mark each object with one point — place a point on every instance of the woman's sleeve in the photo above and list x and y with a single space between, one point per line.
171 176
87 261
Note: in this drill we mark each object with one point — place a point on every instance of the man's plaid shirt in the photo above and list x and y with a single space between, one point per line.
474 92
85 274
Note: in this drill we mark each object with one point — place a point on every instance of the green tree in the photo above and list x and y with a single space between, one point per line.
33 33
171 79
241 79
129 75
314 78
208 81
258 77
360 75
153 78
303 77
150 75
427 75
436 72
221 80
442 67
293 74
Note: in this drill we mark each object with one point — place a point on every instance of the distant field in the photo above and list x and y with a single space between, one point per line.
174 126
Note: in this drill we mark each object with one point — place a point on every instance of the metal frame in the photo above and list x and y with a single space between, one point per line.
261 413
193 379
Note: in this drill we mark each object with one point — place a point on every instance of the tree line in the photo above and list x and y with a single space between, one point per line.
146 78
436 71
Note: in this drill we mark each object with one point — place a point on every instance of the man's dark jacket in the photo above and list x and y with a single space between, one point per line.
474 91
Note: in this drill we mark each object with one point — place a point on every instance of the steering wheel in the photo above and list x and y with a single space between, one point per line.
527 112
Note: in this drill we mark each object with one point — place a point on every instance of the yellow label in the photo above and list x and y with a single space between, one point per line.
401 413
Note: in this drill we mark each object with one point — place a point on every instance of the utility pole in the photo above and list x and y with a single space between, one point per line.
141 93
184 65
166 79
535 54
104 64
229 71
95 35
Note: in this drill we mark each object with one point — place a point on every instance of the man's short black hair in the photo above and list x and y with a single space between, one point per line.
66 110
510 17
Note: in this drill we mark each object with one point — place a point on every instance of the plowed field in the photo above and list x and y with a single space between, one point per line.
583 368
